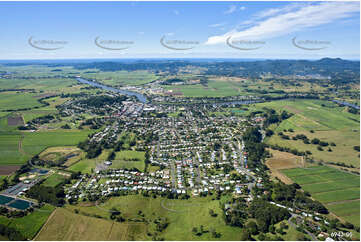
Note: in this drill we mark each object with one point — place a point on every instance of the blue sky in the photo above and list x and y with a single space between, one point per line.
202 29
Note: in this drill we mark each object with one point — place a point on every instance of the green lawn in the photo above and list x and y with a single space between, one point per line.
54 180
124 159
213 89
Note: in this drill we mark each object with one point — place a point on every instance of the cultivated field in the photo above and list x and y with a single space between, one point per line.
338 190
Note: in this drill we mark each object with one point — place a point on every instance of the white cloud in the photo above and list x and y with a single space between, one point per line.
231 9
216 25
292 20
176 12
242 8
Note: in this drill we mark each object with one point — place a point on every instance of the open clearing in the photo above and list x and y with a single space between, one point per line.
67 226
282 160
336 189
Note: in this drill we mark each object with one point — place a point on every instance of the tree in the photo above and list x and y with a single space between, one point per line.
252 227
315 141
212 213
245 235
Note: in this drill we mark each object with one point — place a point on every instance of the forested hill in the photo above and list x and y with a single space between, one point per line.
338 70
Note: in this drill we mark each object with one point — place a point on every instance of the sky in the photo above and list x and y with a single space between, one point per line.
271 30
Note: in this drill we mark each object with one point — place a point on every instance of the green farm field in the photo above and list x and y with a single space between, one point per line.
17 100
213 89
338 190
30 224
116 78
329 122
16 149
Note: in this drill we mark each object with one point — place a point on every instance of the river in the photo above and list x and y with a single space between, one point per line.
139 96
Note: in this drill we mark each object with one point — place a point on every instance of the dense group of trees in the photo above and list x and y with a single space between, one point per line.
52 195
11 233
340 71
102 100
267 214
252 138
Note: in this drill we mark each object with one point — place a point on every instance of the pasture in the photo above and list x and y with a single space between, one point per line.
329 122
180 214
17 147
36 142
336 189
17 100
121 78
9 149
213 89
68 226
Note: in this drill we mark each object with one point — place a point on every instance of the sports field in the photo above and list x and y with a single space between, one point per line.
338 190
129 159
53 180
